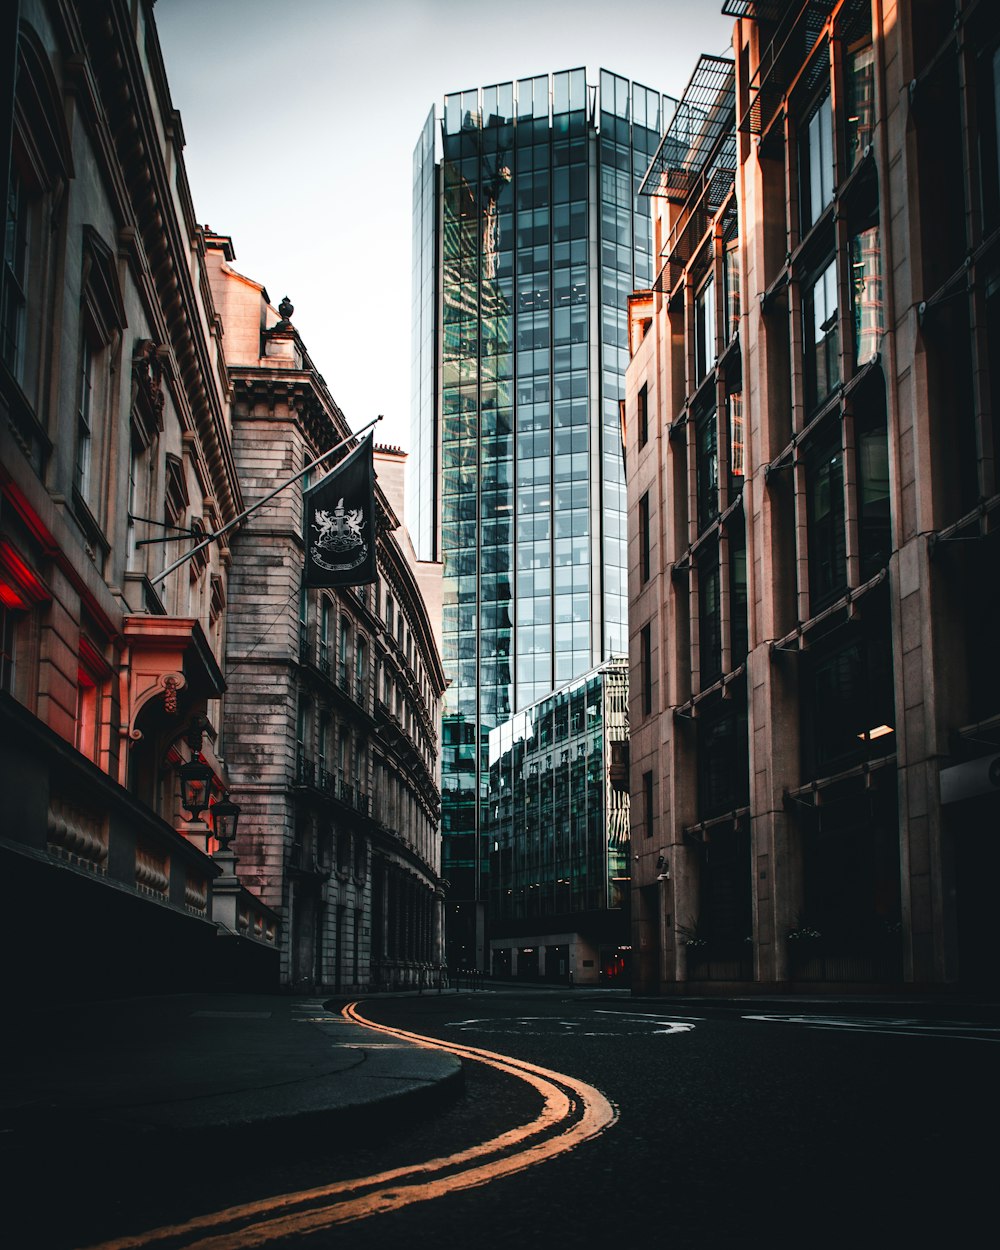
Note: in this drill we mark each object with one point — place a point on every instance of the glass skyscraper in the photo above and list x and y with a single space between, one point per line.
528 239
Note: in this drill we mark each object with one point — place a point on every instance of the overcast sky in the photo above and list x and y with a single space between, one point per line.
301 119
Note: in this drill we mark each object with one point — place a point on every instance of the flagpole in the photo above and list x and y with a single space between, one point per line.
260 503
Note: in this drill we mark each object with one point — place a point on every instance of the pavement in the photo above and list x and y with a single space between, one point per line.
158 1070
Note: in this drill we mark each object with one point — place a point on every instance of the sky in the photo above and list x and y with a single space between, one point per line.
300 122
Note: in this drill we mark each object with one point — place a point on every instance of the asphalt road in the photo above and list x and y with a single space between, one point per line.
862 1129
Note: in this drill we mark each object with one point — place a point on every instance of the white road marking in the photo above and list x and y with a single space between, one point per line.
953 1030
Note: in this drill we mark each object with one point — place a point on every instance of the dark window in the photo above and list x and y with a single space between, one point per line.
709 614
707 456
874 522
848 712
7 639
646 669
643 416
723 770
13 300
739 626
644 538
989 134
820 337
647 803
825 511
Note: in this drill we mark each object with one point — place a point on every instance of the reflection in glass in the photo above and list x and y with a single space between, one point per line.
860 118
866 290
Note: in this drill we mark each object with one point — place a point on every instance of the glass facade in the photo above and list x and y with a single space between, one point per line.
557 824
421 465
539 239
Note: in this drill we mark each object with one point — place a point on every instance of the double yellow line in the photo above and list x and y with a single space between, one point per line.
572 1112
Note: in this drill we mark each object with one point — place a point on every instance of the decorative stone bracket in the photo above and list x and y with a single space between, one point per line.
166 655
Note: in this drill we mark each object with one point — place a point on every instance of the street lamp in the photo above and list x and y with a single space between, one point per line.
196 781
225 817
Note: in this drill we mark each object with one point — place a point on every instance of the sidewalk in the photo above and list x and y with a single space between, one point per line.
166 1068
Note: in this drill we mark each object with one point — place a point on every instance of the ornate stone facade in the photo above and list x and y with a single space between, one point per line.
114 453
333 705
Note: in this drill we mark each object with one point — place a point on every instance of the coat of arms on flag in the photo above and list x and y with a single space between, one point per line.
340 523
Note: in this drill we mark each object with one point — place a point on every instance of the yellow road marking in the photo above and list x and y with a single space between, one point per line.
572 1112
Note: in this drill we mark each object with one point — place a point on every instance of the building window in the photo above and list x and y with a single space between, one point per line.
344 759
647 803
825 512
138 492
8 637
360 669
102 320
15 276
644 538
87 713
323 751
704 330
709 614
646 669
737 447
816 174
723 768
84 420
820 338
303 623
738 606
848 712
361 767
872 451
707 463
731 273
343 654
860 112
643 415
866 293
324 636
303 732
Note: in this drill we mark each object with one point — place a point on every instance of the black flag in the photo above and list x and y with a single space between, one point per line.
339 514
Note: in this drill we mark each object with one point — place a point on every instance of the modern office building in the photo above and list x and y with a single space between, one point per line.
334 694
557 832
814 565
528 239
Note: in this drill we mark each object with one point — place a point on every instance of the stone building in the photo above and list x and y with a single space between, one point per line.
332 717
115 457
814 565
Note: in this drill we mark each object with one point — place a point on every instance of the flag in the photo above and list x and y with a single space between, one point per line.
339 516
